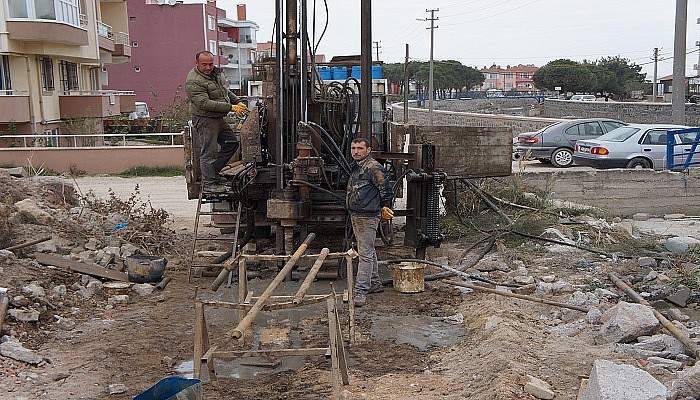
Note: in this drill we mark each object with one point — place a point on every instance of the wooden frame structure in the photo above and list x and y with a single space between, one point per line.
249 305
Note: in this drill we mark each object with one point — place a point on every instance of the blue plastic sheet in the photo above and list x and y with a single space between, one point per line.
174 388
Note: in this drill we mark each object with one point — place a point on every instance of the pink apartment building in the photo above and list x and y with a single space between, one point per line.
518 78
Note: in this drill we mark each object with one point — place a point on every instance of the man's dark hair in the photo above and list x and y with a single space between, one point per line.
362 140
196 57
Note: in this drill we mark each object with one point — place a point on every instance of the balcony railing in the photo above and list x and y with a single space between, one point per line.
81 141
104 30
83 21
122 38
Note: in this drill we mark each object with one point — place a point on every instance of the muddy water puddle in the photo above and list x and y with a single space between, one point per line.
419 331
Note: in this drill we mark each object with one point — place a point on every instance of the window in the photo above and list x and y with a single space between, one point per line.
573 131
5 83
54 10
137 69
611 125
18 8
47 74
212 47
44 9
134 44
211 22
69 76
590 129
655 137
95 78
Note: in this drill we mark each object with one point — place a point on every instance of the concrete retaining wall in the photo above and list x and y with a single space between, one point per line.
419 116
641 113
486 106
624 192
95 160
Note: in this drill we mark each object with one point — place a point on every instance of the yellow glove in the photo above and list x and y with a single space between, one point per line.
239 108
387 213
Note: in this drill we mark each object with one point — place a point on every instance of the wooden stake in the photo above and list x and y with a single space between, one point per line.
333 335
351 298
299 296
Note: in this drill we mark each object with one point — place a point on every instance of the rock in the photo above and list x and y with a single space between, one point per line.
544 288
671 365
605 294
92 244
14 350
31 210
117 388
538 388
28 376
128 250
680 297
524 280
579 298
548 278
559 287
96 286
24 315
556 234
680 245
59 291
640 217
118 299
17 172
168 361
46 247
20 301
571 329
34 290
85 293
594 315
663 278
143 289
67 324
584 264
686 385
647 262
7 255
676 315
609 381
87 256
652 275
625 322
115 251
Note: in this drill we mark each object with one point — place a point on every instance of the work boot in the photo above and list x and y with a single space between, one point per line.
214 188
376 288
360 299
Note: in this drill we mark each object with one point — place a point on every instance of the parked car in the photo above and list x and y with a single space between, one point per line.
632 146
556 142
582 97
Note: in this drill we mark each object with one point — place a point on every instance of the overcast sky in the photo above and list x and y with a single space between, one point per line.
482 32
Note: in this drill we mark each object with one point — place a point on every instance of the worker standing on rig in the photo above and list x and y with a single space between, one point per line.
369 199
210 101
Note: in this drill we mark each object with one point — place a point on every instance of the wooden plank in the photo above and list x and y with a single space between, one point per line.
333 335
229 355
342 360
198 338
80 267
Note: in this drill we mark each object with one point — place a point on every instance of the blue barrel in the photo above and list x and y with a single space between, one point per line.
357 72
340 73
174 388
325 73
376 72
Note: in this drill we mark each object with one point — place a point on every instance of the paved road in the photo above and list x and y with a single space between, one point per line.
169 194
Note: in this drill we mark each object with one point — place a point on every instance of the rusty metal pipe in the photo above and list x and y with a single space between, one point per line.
299 296
245 323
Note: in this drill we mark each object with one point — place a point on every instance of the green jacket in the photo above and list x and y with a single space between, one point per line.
207 94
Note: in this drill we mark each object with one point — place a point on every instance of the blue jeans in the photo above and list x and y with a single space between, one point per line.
365 228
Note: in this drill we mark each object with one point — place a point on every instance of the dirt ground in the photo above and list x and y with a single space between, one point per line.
442 343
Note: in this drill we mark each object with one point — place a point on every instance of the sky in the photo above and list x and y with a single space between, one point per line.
505 32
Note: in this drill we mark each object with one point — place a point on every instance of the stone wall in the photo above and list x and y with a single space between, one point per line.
486 106
624 191
640 113
517 124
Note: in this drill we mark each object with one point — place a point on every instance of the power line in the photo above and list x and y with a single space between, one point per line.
495 15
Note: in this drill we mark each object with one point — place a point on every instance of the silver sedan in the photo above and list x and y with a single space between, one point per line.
633 146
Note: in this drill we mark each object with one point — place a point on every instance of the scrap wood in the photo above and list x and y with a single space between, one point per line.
673 329
515 295
80 267
27 244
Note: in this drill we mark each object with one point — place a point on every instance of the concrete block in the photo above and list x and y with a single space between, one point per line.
610 381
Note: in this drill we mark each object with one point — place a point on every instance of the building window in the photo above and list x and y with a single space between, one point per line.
211 22
18 8
5 83
137 69
95 78
212 47
69 76
53 10
134 44
47 74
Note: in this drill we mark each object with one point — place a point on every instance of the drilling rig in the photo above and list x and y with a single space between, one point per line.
295 149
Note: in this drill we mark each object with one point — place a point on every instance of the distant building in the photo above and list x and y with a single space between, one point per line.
165 36
512 78
692 86
52 65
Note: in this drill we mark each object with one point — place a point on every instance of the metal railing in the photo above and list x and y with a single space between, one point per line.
99 92
107 139
83 21
104 30
688 137
122 38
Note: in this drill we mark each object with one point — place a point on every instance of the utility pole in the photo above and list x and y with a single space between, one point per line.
431 88
678 95
377 46
655 87
405 88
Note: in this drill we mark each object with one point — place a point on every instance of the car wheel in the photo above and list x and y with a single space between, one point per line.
544 160
562 158
639 162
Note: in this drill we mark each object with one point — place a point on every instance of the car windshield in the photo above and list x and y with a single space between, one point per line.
620 134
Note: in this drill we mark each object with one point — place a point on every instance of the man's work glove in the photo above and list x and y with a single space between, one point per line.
387 213
239 108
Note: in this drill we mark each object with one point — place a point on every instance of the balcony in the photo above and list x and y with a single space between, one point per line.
14 106
122 46
46 21
105 37
89 104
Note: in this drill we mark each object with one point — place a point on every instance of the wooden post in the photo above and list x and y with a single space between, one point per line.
299 296
245 323
351 298
242 285
342 360
201 338
333 335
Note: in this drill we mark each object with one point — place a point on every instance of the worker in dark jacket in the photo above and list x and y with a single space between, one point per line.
369 199
210 101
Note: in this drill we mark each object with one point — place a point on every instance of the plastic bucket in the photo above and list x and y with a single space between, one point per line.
409 277
174 388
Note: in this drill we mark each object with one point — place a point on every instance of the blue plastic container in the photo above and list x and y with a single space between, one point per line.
376 72
174 388
340 73
325 73
357 72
